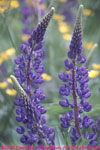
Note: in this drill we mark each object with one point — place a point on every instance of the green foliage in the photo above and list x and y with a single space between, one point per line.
59 140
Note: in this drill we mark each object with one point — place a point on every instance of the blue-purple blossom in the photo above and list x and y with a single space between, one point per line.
76 85
64 102
94 136
29 75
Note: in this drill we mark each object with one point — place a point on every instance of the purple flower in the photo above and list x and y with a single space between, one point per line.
64 102
95 128
66 119
98 121
87 121
29 74
63 76
94 137
73 140
20 130
64 90
76 86
93 141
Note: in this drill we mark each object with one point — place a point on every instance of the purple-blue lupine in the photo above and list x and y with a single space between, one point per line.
28 73
93 137
76 84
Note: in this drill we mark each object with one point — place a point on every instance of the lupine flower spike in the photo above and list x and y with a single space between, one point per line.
28 77
75 84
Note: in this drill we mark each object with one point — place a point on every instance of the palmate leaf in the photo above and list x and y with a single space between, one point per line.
59 140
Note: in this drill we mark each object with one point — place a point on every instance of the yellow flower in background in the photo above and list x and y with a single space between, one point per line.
63 1
3 9
10 51
11 92
61 23
3 57
9 81
42 6
3 85
68 72
24 37
6 55
14 4
46 77
96 66
64 28
5 5
89 45
3 2
29 2
58 17
35 3
67 37
88 12
93 74
1 61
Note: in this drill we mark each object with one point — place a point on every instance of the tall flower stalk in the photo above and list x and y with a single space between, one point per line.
27 80
75 85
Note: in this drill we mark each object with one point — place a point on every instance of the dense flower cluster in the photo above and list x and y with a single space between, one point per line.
28 73
75 84
93 137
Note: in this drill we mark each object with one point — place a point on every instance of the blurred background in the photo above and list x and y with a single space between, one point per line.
17 19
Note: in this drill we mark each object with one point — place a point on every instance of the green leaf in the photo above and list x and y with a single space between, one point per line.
59 140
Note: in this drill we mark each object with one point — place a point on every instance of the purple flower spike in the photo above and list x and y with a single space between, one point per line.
76 86
38 33
29 74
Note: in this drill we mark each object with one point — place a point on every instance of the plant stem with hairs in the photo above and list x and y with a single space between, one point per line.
75 98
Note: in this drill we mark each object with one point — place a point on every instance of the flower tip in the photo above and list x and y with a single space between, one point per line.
95 45
80 11
11 76
81 7
53 9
